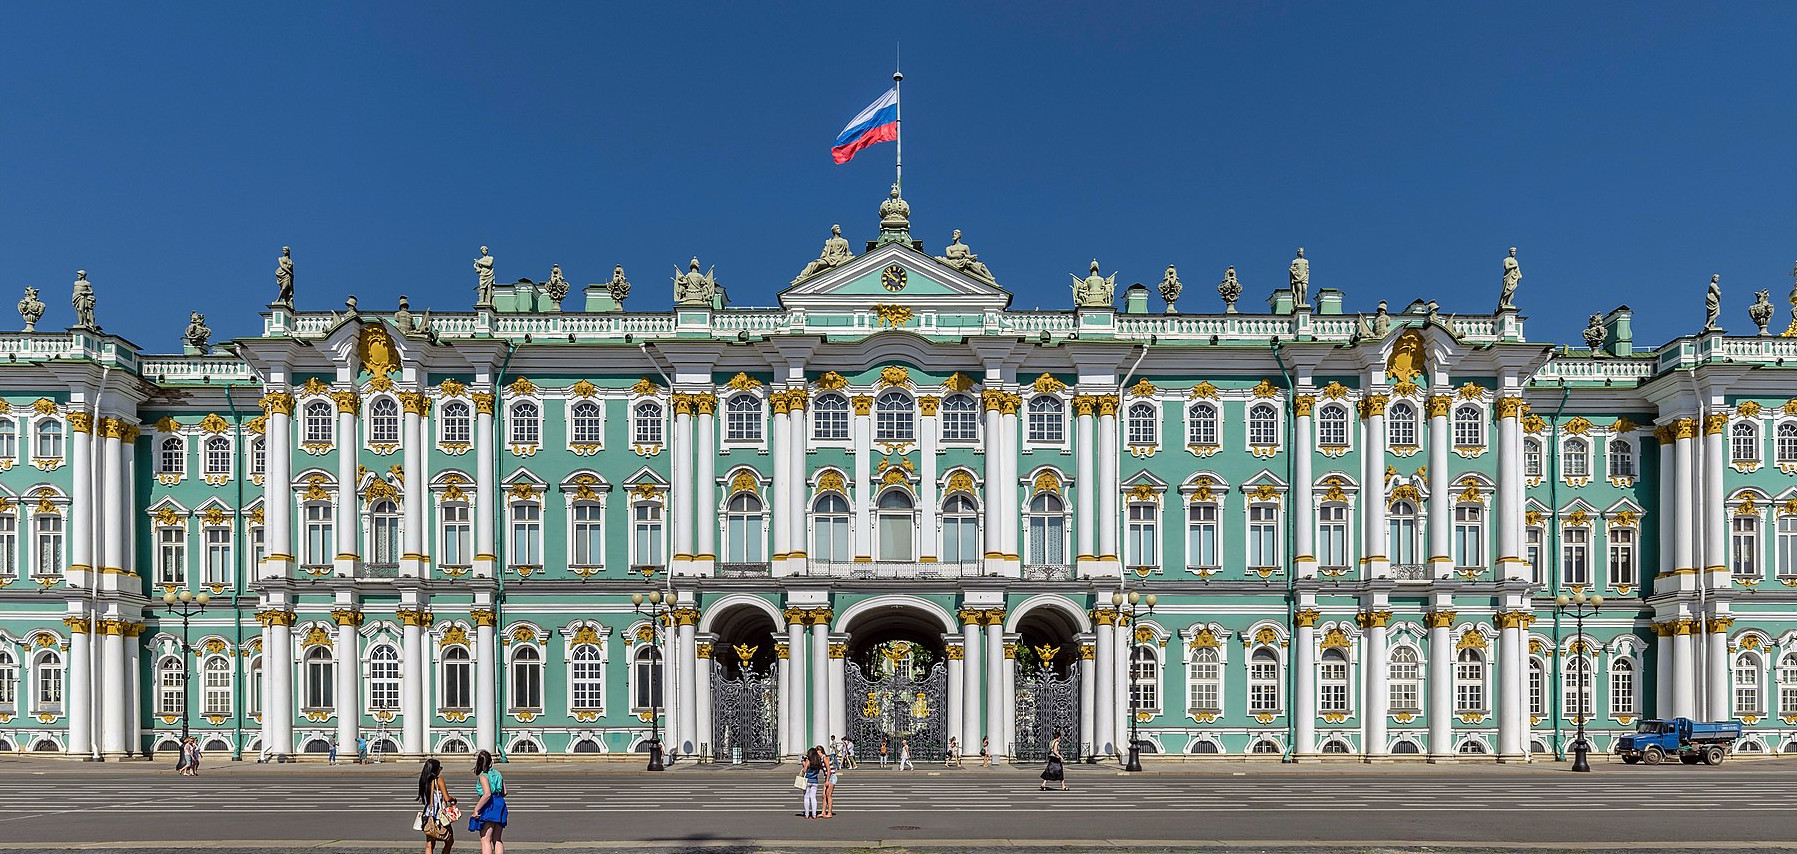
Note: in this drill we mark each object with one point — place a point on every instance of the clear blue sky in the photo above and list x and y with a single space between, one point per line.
1629 149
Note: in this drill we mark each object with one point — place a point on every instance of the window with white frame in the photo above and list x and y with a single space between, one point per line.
217 450
9 544
646 424
457 548
252 701
1047 419
645 679
1622 458
1744 442
9 439
171 554
1785 444
830 529
1204 682
1469 681
742 418
1575 458
384 678
258 456
586 678
1469 426
1402 533
895 526
1747 684
455 424
895 417
49 439
830 418
458 679
646 533
171 696
743 525
1264 688
1575 555
527 679
1143 424
1201 535
9 676
1263 535
1531 457
588 526
1576 688
48 546
1332 536
526 423
1332 426
585 426
1787 684
319 682
171 456
960 530
1622 556
258 548
1332 682
1537 688
384 542
1046 531
316 423
383 421
1469 534
1201 424
1144 679
218 554
1263 425
47 675
960 415
1532 538
1622 687
1744 545
1142 540
215 686
1406 681
1400 425
527 534
1787 544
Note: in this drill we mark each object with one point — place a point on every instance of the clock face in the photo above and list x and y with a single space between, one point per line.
893 278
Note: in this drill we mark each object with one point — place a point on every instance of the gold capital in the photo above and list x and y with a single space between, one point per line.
347 401
483 402
1509 407
1302 404
484 617
1439 405
277 402
1307 618
1440 619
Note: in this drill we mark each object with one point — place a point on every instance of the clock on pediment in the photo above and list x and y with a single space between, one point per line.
893 278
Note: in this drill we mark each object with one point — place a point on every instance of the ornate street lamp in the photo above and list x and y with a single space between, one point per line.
186 606
658 607
1580 607
1136 604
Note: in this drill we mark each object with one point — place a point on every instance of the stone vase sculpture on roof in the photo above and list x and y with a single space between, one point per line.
556 287
1761 310
1595 333
1170 288
1094 291
619 287
84 302
197 335
31 309
1230 289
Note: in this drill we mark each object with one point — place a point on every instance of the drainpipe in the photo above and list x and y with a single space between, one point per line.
1553 500
1129 659
1291 568
499 535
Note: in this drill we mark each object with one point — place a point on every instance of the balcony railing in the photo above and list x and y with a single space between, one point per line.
1410 572
380 570
888 569
743 570
1048 572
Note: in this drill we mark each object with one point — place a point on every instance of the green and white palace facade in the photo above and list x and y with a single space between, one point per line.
894 506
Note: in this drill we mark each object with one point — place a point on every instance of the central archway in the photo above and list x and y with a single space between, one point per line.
896 677
744 674
1048 688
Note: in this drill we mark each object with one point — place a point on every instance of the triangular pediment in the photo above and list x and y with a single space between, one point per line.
917 281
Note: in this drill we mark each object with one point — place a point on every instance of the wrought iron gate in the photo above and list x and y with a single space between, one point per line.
745 713
899 703
1047 703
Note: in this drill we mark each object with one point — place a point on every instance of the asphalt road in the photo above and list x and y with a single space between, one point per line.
357 808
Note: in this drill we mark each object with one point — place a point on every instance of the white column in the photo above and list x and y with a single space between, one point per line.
114 693
820 680
1440 710
277 675
837 697
992 453
1684 539
682 477
1662 698
1303 706
796 438
1121 712
1441 502
789 702
929 533
1009 503
702 666
1088 699
996 689
1717 696
1108 519
1376 701
1008 715
957 693
864 491
785 491
411 696
705 454
1303 524
973 725
1509 491
687 738
1667 521
346 509
277 492
797 717
1105 683
413 561
82 571
1085 511
1373 508
81 723
349 706
486 490
1510 705
1684 670
119 515
486 680
1715 511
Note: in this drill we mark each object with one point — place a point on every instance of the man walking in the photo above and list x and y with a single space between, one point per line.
848 754
905 755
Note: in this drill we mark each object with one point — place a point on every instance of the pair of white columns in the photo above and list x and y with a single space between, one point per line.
693 466
813 682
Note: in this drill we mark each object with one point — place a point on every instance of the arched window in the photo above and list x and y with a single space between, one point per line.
1469 681
960 530
383 678
316 419
895 419
383 421
1336 746
527 423
743 524
1406 681
320 679
1747 684
525 745
1201 424
1401 542
171 694
830 529
1144 679
1332 426
1531 457
171 456
742 419
1471 747
1332 535
1537 688
1622 458
896 525
1744 442
527 534
830 417
9 439
588 529
1263 425
584 424
1046 528
1265 746
1787 443
1576 682
9 680
1469 534
258 456
1201 535
1622 687
527 679
1047 419
1264 689
960 418
1787 685
1575 458
586 679
216 684
1204 682
1469 426
218 456
646 423
384 543
458 679
1332 681
645 679
47 676
455 423
1144 424
1400 425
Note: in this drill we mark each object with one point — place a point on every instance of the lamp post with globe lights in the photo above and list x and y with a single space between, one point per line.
1580 606
1130 605
655 606
186 606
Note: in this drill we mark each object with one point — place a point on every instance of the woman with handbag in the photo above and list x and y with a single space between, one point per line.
488 821
827 786
437 819
1056 771
814 771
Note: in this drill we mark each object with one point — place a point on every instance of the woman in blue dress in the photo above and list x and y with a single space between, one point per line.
488 821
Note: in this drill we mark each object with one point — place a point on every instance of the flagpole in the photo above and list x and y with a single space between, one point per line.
898 179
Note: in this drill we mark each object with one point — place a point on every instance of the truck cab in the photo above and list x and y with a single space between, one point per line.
1691 741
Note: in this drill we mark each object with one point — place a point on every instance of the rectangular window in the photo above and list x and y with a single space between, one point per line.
1787 546
1402 545
527 534
1332 685
1469 535
258 549
1332 536
1622 557
1469 684
960 423
1263 535
319 545
1532 552
458 682
218 555
1622 689
458 538
258 456
1577 700
1747 686
9 545
171 699
49 543
647 533
1263 683
1142 547
830 534
1575 555
1744 546
589 550
1201 536
1537 696
49 440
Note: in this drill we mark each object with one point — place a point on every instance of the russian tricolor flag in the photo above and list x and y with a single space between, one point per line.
877 123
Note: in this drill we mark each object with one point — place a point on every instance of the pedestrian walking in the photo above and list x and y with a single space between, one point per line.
488 821
953 758
883 742
814 769
985 752
437 819
848 754
828 781
835 750
332 753
905 755
181 759
193 756
1055 772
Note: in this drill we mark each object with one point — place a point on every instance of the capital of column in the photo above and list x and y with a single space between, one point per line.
926 405
957 653
133 630
484 402
1088 651
347 616
799 398
112 626
1715 423
1373 405
1307 618
839 650
1010 649
705 403
702 650
1664 630
1718 625
1107 405
1105 617
415 402
1684 428
1372 619
1515 619
347 401
783 650
864 404
484 617
1684 626
77 625
1083 404
1509 407
280 402
112 428
1439 404
276 617
81 422
415 617
1302 405
1440 619
1663 434
777 401
684 616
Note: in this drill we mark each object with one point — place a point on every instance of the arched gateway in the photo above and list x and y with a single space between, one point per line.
896 687
745 686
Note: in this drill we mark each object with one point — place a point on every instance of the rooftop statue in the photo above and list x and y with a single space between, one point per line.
1230 289
895 212
1095 291
1170 288
403 317
1512 275
1381 321
1363 329
1791 331
957 255
1712 305
1761 310
556 286
198 334
284 278
694 288
1595 333
31 308
618 287
84 302
836 253
483 267
1300 276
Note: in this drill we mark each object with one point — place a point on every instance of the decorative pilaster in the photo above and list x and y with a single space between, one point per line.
1375 537
1510 562
1303 528
486 489
1716 693
837 697
1304 704
277 505
1441 509
1715 573
863 521
927 426
992 453
413 562
797 439
1684 670
705 458
1684 490
486 677
347 521
1006 491
81 540
785 492
349 695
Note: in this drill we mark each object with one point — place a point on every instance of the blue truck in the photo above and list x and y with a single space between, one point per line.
1691 741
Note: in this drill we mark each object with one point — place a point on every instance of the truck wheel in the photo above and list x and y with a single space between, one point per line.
1689 758
1652 755
1714 755
1630 760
